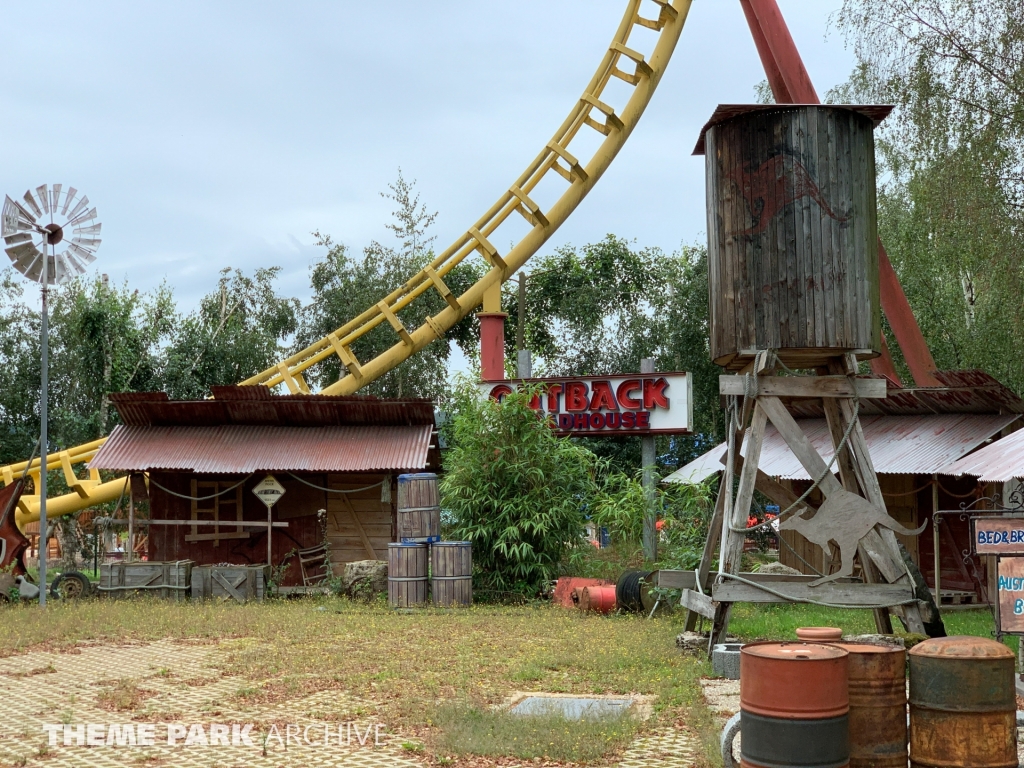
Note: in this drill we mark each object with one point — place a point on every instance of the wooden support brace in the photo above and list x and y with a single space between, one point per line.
359 527
611 119
488 251
642 67
348 359
529 209
396 324
575 169
294 381
698 604
805 386
866 595
443 289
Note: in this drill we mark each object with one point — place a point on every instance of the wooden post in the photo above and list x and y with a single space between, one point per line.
650 535
710 543
935 541
130 554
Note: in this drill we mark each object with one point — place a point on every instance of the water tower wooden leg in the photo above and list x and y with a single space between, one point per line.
710 544
732 546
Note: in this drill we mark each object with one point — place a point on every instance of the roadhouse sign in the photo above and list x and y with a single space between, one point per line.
636 404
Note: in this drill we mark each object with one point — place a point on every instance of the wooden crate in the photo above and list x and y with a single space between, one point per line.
170 580
237 582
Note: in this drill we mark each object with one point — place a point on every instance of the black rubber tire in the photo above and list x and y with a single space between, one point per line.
70 585
628 592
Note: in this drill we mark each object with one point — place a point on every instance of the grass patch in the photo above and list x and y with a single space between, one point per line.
401 664
778 621
471 730
123 695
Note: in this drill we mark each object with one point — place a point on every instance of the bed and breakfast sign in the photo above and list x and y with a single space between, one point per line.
1004 537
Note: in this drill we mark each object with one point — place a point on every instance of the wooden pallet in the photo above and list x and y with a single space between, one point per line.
958 597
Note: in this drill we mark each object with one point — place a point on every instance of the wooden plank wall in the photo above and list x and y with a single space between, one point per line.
359 525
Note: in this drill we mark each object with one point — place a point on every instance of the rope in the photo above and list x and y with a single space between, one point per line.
809 601
929 484
198 498
973 493
335 490
797 554
828 470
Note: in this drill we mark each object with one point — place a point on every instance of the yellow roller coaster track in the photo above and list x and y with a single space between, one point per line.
642 72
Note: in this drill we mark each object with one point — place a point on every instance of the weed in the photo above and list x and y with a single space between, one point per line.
123 696
411 746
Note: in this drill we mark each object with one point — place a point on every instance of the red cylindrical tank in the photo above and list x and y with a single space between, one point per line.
600 599
877 682
794 705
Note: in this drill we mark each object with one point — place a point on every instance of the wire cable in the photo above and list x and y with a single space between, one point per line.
199 498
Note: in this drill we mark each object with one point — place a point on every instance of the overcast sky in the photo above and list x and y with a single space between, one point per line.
213 134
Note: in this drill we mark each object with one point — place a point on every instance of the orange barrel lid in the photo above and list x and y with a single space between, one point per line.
796 681
819 634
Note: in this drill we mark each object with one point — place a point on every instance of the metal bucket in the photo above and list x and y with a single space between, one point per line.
962 704
877 682
794 705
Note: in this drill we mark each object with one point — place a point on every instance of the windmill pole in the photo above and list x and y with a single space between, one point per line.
43 397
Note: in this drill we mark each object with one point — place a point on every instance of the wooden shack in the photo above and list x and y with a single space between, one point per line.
336 458
917 439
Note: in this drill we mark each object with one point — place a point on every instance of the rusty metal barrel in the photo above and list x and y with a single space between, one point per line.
419 508
407 575
794 705
877 681
962 704
451 573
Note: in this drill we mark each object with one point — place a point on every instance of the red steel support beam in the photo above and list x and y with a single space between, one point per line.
791 84
492 345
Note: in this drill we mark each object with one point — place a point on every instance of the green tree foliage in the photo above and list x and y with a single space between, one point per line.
345 286
237 331
600 309
951 202
105 339
515 491
19 361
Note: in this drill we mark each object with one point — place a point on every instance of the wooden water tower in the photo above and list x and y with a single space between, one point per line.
793 278
792 233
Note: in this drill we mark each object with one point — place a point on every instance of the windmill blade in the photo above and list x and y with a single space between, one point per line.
87 242
84 216
58 271
26 259
74 265
85 255
17 237
55 197
68 200
80 206
32 203
43 194
93 229
15 218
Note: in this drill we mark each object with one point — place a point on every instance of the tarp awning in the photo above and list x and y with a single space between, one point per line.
230 449
898 445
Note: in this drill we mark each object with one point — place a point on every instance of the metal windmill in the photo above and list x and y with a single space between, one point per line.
32 230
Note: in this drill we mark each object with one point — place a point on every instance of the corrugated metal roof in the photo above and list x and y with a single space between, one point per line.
898 445
258 406
237 449
876 112
998 462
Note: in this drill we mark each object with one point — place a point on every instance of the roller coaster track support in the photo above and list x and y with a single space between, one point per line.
622 61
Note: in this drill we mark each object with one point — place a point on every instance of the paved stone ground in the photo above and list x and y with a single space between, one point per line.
181 684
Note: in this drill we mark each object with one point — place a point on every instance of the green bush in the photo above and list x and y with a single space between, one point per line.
515 490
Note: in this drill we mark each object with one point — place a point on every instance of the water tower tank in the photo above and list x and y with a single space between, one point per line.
792 232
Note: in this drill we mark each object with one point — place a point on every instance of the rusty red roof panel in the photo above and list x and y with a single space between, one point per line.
998 462
898 445
257 406
238 448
